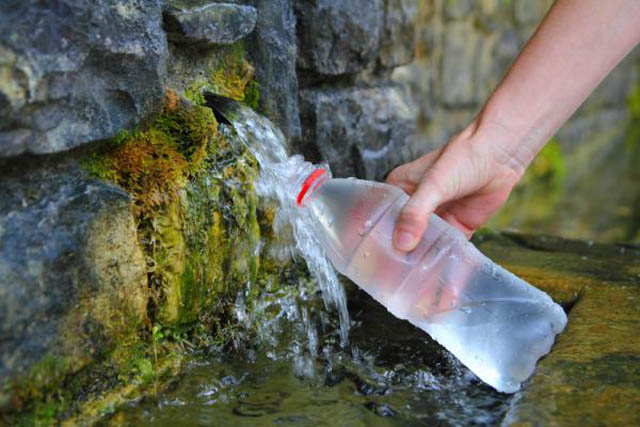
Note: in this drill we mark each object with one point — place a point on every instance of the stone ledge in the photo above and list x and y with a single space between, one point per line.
208 23
591 373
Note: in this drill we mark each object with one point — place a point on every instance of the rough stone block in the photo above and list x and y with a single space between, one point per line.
487 73
418 77
529 11
72 274
398 38
459 48
338 37
615 88
506 49
456 9
74 71
360 131
208 23
487 7
272 50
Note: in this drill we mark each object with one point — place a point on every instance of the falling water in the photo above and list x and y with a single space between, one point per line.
280 178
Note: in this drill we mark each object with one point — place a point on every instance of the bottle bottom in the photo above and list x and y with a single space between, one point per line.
492 321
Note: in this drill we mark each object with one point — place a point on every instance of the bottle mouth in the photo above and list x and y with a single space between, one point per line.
310 184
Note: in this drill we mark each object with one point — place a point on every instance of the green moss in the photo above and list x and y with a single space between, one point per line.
252 95
195 206
632 146
153 165
633 102
232 77
548 168
34 391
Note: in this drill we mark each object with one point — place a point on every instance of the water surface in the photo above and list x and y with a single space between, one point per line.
392 374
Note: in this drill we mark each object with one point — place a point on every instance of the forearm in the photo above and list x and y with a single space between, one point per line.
576 46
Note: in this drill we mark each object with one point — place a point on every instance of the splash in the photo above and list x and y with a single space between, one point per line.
280 177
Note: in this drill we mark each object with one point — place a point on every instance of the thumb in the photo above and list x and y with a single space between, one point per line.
413 219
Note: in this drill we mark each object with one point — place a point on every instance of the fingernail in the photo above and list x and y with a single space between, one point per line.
404 240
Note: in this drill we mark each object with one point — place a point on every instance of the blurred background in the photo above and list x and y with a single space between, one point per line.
586 183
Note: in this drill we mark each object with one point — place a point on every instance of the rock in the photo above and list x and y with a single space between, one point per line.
74 71
419 79
506 49
490 15
272 51
72 274
456 9
360 131
459 48
338 37
486 73
591 372
528 11
208 23
615 87
487 7
397 42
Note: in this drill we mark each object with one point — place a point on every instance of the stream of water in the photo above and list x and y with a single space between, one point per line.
279 178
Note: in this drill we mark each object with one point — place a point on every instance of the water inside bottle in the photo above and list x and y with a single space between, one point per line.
495 323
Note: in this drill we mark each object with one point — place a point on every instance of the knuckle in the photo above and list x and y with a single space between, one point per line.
412 217
394 176
437 185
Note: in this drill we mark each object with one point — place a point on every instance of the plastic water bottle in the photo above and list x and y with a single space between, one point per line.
493 322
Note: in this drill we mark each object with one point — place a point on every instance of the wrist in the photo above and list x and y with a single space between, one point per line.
509 139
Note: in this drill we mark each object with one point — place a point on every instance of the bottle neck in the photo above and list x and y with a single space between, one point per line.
309 185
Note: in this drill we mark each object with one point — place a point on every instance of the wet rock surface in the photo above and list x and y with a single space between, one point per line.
591 373
74 71
142 236
203 23
72 274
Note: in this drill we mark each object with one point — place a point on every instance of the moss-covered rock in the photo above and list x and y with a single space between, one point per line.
227 73
72 277
157 275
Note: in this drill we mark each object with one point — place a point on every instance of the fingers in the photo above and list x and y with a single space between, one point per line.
412 221
455 221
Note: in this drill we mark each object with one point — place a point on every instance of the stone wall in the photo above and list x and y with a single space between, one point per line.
352 113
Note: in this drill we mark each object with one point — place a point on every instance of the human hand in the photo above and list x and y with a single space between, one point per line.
468 179
464 182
